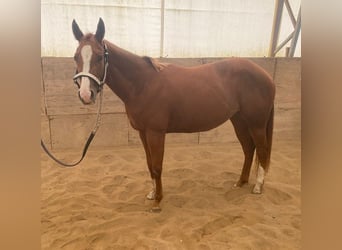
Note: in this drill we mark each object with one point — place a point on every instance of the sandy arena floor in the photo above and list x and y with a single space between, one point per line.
101 203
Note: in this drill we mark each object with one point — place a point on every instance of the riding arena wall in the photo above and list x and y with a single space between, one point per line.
66 123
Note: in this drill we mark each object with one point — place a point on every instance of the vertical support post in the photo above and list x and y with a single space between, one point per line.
162 13
278 11
287 50
296 34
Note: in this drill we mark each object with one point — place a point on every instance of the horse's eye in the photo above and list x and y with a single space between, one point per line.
75 57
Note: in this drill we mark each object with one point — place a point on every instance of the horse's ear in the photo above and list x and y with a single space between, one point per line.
100 31
76 30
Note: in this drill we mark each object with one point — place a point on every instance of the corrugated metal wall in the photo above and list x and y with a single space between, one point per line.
200 28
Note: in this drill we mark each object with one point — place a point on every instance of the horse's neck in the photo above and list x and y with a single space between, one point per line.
126 72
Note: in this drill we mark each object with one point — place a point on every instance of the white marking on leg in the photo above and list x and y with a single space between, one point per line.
85 92
152 194
259 180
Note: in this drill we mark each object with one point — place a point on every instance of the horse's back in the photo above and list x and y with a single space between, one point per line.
225 79
224 72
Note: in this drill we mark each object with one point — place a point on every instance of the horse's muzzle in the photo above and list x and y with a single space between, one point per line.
87 99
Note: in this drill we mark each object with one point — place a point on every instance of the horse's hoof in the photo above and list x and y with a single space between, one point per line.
257 189
155 210
239 184
151 195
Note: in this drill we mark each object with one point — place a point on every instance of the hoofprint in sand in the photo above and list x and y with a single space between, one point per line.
102 203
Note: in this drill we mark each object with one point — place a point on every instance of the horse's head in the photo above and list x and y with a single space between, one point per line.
91 58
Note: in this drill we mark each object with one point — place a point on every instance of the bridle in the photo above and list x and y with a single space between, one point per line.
93 77
98 116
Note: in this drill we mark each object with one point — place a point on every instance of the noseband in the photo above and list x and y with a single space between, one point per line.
93 77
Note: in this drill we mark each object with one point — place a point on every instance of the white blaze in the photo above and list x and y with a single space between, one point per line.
86 54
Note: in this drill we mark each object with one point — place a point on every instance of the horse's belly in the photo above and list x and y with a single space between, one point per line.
197 122
201 113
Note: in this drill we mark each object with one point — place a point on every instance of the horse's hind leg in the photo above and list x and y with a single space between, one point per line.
247 145
260 140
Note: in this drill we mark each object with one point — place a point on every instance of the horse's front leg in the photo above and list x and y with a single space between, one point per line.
152 194
155 152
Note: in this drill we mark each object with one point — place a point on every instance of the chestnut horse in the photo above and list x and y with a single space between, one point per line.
166 98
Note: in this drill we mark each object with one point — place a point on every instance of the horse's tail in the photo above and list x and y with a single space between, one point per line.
269 137
269 134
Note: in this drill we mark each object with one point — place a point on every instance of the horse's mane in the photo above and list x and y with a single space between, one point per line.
158 66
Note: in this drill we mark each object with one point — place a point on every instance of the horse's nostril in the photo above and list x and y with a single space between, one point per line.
86 99
92 95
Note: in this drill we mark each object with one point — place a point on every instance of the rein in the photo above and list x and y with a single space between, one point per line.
86 146
98 116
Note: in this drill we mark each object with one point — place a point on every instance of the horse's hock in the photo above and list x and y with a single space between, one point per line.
66 122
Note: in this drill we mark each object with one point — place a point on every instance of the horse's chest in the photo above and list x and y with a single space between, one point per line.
147 117
137 119
134 121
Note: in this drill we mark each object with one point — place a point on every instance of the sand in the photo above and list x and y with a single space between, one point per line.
101 203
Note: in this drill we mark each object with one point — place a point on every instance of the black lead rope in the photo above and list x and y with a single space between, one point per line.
92 134
86 146
85 149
